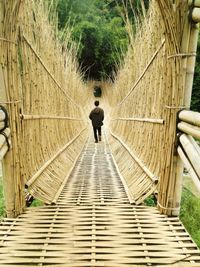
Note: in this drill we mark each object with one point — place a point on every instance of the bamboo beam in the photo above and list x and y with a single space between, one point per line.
190 117
194 33
189 168
6 40
195 3
41 117
47 163
137 160
189 129
144 71
149 120
191 152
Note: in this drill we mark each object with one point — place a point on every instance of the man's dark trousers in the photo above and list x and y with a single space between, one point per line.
96 129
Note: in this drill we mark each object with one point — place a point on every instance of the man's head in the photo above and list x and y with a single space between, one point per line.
96 103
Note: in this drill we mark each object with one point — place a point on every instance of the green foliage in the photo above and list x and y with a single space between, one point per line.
150 201
2 203
37 203
190 214
195 103
100 31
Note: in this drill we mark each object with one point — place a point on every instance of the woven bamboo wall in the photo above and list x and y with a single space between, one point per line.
149 91
39 82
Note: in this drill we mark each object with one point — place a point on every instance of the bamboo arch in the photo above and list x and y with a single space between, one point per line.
48 103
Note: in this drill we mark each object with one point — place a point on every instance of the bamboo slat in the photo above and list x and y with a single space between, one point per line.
93 224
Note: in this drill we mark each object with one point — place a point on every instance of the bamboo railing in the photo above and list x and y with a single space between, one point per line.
188 149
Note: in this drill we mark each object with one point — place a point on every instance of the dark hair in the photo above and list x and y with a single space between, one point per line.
96 103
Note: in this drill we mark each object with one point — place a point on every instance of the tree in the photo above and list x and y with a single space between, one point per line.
99 29
195 103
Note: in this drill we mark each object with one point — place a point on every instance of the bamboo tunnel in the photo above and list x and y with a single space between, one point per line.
48 102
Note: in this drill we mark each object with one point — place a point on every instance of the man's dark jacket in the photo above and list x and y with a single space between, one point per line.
97 117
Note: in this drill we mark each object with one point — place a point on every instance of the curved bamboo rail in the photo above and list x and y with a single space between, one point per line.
48 103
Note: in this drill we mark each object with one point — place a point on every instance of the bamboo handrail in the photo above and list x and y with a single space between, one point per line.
189 168
190 117
35 176
183 55
139 162
189 129
3 151
2 115
158 121
45 67
191 152
144 71
3 138
41 117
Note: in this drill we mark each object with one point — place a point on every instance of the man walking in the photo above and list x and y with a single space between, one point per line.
97 117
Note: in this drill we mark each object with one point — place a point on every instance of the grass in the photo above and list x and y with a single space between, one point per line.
37 203
190 214
2 203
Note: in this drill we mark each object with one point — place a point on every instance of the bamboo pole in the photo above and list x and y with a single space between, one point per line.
196 15
190 117
191 152
191 64
144 71
3 138
158 121
196 3
189 129
41 117
2 115
2 124
189 168
139 162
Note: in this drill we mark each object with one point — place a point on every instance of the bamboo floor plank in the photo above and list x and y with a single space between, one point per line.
94 224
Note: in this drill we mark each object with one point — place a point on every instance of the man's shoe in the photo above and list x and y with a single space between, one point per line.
96 141
99 138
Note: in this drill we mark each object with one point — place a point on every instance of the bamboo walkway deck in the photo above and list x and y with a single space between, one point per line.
93 224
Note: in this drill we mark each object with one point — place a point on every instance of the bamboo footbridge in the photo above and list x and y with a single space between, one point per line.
93 193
